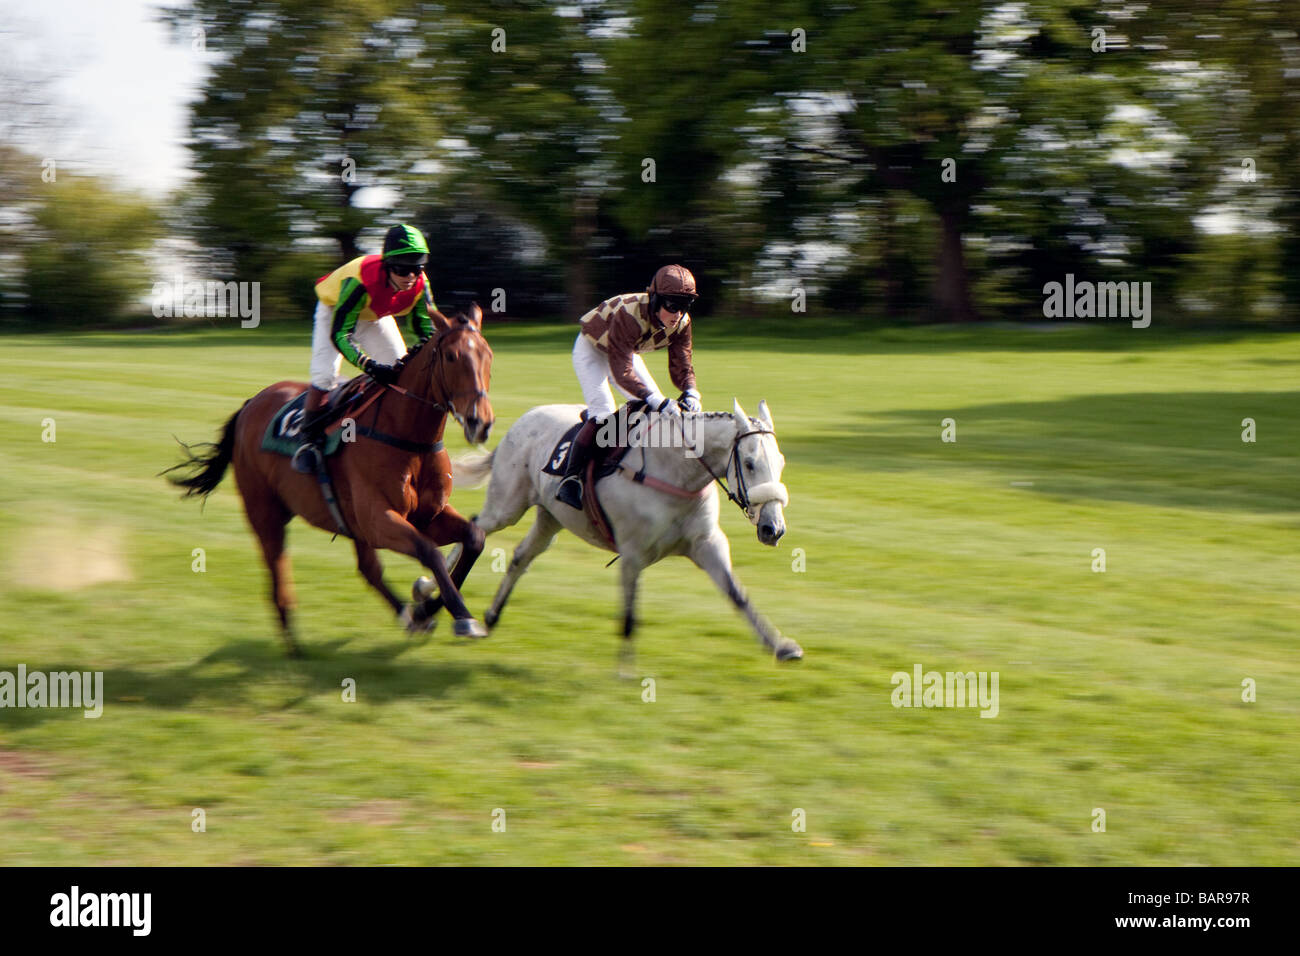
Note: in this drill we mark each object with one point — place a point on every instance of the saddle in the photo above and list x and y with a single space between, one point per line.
283 432
604 461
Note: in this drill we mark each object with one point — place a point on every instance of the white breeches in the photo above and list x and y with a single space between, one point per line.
381 340
592 366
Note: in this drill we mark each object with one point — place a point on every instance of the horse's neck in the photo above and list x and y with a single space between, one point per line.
711 436
416 416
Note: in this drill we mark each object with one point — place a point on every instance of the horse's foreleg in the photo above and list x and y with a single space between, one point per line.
713 554
372 570
391 531
446 527
538 539
631 573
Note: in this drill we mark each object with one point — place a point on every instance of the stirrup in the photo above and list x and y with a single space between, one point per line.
307 459
570 491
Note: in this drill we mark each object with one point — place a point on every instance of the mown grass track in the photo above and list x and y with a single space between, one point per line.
1120 691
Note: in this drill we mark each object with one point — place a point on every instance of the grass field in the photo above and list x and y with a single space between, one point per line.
1120 691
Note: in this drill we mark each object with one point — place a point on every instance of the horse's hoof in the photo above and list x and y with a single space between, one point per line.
413 623
423 588
789 651
468 627
491 618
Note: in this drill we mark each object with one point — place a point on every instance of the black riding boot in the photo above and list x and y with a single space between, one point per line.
309 455
570 490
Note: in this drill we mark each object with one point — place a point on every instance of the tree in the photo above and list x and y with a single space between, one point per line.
309 102
84 259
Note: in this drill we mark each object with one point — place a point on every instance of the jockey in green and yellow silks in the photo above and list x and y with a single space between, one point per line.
356 320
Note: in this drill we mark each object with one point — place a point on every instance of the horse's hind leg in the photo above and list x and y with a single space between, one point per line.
538 539
269 518
372 570
713 554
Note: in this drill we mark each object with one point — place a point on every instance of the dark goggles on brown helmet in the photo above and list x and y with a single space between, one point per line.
676 303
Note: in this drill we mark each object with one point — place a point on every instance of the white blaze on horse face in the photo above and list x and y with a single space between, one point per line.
764 481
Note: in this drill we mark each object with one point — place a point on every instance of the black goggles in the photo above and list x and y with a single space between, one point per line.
676 303
405 269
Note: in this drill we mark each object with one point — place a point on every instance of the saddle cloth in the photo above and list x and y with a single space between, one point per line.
283 431
604 459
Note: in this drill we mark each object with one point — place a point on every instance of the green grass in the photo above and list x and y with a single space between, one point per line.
1119 691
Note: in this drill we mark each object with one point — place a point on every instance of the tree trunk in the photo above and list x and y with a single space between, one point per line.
952 299
344 235
892 261
578 278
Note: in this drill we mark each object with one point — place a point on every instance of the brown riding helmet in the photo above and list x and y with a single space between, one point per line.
673 280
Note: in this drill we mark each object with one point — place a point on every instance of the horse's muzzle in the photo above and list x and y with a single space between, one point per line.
771 523
477 430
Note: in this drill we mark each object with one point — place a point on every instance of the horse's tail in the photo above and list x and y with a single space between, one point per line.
473 469
206 468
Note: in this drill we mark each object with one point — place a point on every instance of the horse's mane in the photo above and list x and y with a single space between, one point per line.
458 321
709 415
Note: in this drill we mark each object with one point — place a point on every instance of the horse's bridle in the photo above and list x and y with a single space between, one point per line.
436 345
741 498
403 443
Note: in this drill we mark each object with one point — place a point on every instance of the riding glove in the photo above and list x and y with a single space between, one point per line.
383 374
657 403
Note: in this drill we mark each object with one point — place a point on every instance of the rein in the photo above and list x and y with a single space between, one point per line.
742 500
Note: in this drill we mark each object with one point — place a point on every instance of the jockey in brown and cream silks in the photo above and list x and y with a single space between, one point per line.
607 350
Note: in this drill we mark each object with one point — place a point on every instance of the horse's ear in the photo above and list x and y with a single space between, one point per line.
764 415
474 314
742 420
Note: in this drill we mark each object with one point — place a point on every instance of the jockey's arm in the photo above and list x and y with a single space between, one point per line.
352 299
680 369
621 347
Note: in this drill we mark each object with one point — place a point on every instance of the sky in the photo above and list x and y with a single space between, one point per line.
119 84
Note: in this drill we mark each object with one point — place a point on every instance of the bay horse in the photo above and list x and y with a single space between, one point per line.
392 483
671 510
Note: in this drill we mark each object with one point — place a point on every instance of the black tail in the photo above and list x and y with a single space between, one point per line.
208 468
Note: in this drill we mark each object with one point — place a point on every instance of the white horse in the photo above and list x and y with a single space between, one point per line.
674 512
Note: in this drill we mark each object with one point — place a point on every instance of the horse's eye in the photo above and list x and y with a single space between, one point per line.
749 466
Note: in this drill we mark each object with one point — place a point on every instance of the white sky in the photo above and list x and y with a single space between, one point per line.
120 86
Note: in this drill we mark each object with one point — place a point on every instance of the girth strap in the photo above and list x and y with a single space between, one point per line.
327 489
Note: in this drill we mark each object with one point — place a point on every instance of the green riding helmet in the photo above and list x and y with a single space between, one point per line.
405 245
